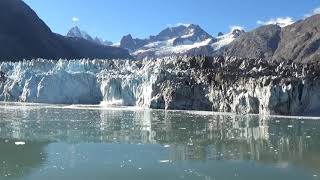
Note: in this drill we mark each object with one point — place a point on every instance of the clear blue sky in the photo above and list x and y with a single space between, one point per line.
111 19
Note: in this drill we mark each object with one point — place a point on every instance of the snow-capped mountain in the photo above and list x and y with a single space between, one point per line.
76 32
184 39
180 40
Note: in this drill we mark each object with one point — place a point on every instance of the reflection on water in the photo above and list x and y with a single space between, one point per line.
79 143
17 161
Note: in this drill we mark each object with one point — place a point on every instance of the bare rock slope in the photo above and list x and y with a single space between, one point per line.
23 35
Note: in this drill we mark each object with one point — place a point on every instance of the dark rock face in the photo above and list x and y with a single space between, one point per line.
237 32
298 42
127 42
2 76
81 48
201 51
220 34
23 35
260 43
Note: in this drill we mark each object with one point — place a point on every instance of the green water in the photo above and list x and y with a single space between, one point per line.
92 143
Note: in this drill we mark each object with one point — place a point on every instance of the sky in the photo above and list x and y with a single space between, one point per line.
112 19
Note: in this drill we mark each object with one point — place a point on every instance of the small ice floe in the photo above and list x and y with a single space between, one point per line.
315 175
290 126
140 168
308 137
166 146
164 161
20 143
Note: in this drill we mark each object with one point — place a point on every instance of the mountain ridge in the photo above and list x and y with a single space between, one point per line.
299 42
23 35
180 40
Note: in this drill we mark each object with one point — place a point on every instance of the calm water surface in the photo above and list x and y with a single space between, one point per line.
43 142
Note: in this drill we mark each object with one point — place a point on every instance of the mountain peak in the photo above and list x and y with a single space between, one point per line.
237 32
76 32
75 28
127 42
193 31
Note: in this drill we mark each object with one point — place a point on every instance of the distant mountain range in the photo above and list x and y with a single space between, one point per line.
23 35
181 40
298 42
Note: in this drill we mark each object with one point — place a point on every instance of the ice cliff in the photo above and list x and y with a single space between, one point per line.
185 83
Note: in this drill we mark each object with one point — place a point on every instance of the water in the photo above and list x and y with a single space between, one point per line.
49 142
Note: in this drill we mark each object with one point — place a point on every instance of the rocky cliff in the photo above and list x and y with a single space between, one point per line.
184 83
23 35
299 42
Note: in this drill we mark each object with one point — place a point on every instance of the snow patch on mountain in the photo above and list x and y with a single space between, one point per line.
164 48
190 40
224 40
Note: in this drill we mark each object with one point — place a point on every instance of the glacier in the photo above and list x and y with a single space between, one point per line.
224 84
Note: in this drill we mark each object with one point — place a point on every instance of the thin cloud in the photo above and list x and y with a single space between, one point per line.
75 19
314 12
282 22
178 24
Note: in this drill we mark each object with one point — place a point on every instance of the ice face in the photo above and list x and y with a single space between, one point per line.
43 81
184 83
120 82
74 82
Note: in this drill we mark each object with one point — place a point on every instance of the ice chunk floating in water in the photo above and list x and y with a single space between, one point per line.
19 143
